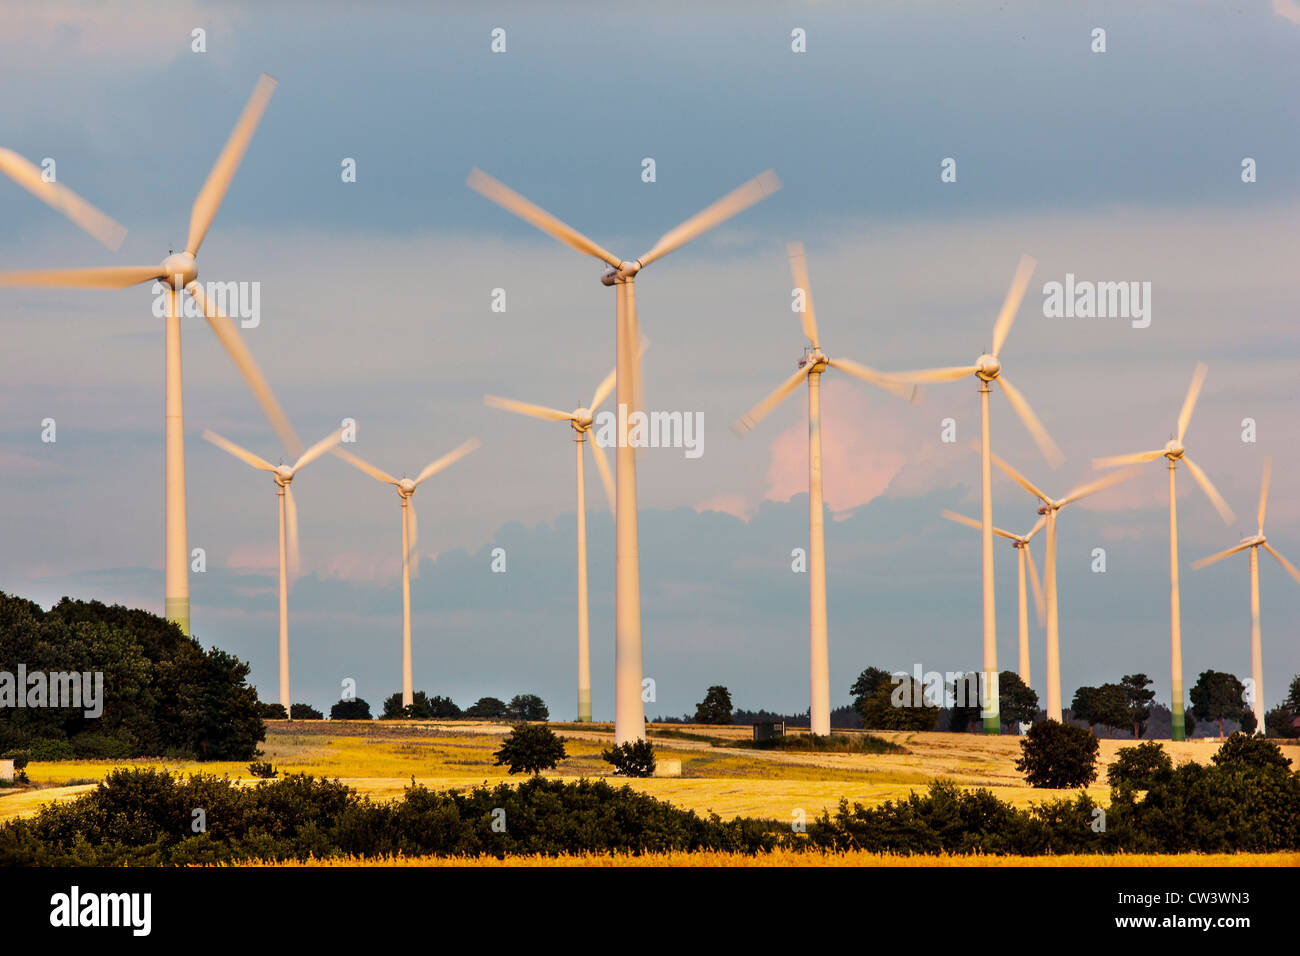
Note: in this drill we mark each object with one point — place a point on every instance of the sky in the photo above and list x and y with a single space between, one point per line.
376 305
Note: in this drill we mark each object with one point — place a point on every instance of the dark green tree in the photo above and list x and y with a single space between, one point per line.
636 758
1245 750
487 708
1138 698
899 706
272 711
1139 767
305 712
444 708
530 748
354 709
1058 756
527 707
1281 722
1218 696
1017 702
868 682
716 706
967 707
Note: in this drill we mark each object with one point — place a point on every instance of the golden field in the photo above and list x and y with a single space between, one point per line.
380 759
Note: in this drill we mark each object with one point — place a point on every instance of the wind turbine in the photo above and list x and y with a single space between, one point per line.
179 272
1254 544
63 199
988 369
283 475
1049 509
410 536
811 367
1175 452
580 420
1021 543
629 712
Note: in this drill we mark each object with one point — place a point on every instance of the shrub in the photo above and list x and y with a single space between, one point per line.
44 749
305 712
354 709
1244 750
1058 756
263 769
271 711
1139 767
636 758
530 748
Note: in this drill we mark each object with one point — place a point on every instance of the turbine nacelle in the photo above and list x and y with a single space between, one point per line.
814 361
283 475
987 367
179 270
406 487
582 419
626 270
1174 449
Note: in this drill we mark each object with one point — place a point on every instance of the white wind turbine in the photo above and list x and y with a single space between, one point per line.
63 199
811 367
410 538
1048 510
1021 543
283 475
1175 452
629 712
988 368
1254 543
179 272
580 420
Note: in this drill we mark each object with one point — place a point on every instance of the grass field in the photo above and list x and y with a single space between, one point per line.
380 759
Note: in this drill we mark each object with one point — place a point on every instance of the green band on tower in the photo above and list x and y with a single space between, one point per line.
584 705
177 610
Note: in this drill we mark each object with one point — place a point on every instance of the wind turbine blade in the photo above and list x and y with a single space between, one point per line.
1092 487
1038 526
1203 562
1189 403
1263 492
602 466
223 170
453 456
413 556
1037 585
759 411
1011 305
243 454
950 374
799 271
604 389
1036 429
61 198
972 523
1290 568
1211 492
736 201
526 408
511 201
318 449
1019 479
113 277
904 390
234 345
291 510
365 466
1116 460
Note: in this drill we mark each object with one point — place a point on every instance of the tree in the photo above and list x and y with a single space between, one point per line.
899 706
967 708
868 682
1138 700
1058 756
1139 767
487 707
1218 696
1281 722
530 748
636 758
1245 750
1017 703
354 709
527 707
716 706
444 708
305 712
1084 705
272 711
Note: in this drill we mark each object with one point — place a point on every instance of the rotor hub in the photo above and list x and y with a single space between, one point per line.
582 419
814 361
987 367
283 475
406 487
1173 449
179 270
